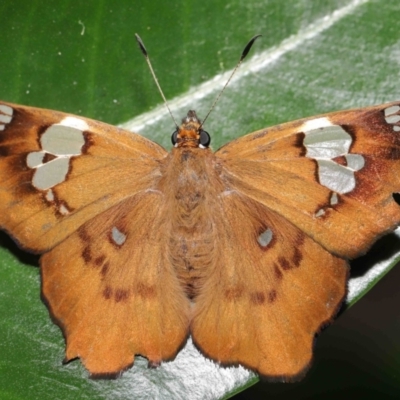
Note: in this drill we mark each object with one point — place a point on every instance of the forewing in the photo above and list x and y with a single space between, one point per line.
271 289
332 176
113 291
58 171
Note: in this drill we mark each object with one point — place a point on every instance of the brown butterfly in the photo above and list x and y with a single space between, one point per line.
245 249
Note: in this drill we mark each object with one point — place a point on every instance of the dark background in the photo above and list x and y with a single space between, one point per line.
356 357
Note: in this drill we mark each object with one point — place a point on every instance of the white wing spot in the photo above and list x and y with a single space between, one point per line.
334 199
335 177
355 161
63 141
327 142
391 110
51 198
34 160
264 239
49 195
6 113
324 142
76 123
117 236
392 117
50 174
317 123
63 210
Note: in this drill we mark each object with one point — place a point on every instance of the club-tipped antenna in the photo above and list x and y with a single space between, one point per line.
242 57
146 56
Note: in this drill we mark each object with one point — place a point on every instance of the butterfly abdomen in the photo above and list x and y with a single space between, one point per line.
189 184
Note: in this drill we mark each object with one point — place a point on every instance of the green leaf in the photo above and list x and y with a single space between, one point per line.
82 58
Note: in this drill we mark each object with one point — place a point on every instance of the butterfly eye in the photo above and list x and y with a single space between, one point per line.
204 139
174 137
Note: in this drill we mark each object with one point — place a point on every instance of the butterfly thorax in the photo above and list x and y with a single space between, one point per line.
190 184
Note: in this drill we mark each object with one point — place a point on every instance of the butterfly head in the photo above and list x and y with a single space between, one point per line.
190 134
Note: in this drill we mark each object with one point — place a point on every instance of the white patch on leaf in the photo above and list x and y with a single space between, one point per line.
324 142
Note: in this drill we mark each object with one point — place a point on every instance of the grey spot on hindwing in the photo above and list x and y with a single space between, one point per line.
264 239
117 236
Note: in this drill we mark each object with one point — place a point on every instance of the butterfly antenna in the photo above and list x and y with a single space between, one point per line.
146 56
242 57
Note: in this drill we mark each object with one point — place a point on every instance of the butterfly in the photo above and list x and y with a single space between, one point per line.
245 249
